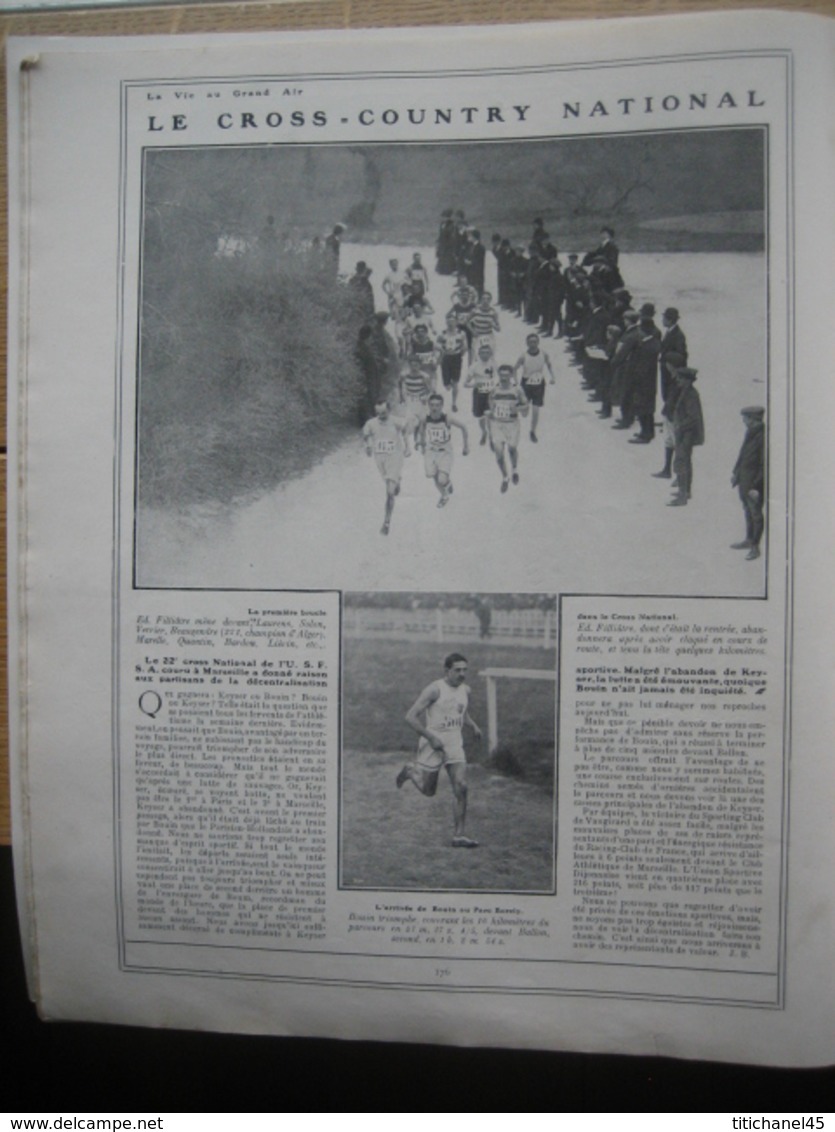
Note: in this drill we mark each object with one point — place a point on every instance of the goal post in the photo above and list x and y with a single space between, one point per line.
491 675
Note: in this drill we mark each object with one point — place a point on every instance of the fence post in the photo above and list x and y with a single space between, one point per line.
492 716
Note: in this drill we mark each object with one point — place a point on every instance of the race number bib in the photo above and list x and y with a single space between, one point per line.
450 722
503 411
384 447
436 434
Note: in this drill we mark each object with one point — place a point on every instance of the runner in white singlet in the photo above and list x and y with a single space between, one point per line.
439 715
531 368
385 439
414 392
507 402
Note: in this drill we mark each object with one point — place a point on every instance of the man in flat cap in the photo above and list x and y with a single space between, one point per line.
689 432
748 478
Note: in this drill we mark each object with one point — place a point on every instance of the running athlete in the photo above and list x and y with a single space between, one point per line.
415 301
427 353
386 440
414 391
416 273
435 439
453 345
412 318
438 715
484 323
393 283
393 290
533 364
464 300
506 403
481 379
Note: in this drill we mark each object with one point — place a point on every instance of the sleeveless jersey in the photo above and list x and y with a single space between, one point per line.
463 307
484 377
393 285
446 714
423 350
533 369
465 297
417 275
504 404
438 435
483 322
452 342
385 437
414 384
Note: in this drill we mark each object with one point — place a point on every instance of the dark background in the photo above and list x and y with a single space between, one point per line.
67 1068
694 190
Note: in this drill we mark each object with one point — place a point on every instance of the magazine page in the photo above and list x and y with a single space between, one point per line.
420 533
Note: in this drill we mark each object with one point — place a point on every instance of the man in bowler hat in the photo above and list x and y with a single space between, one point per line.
689 432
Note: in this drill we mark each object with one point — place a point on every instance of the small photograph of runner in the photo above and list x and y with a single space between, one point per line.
448 762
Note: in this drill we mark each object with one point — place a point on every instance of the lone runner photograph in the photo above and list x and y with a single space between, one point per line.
448 764
439 715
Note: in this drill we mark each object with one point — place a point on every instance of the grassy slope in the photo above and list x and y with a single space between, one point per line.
399 839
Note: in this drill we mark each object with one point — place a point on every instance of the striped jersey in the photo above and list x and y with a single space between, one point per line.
505 403
414 384
483 322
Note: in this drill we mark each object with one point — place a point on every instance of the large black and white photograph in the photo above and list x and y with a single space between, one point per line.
448 762
441 570
371 365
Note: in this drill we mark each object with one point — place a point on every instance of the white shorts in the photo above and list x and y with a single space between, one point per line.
505 432
415 408
430 759
435 461
390 465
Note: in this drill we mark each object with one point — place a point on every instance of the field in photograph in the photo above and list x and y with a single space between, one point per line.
394 838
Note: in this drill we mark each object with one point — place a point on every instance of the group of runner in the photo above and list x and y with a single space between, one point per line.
625 359
436 361
434 367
